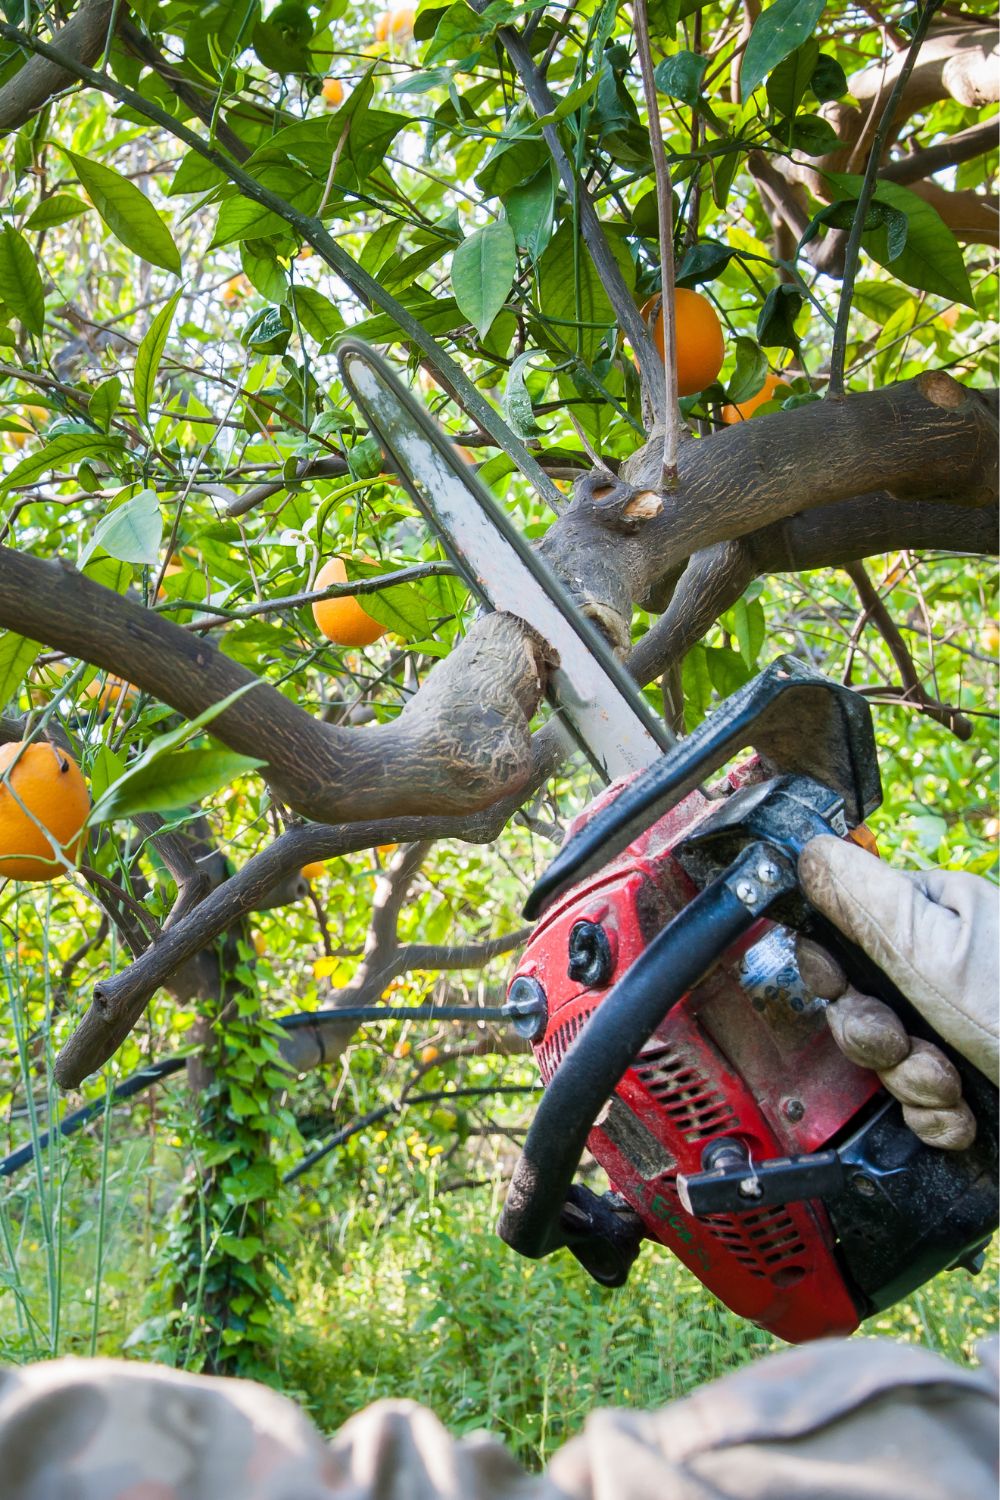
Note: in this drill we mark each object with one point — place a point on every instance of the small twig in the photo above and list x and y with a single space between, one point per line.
874 609
665 226
852 255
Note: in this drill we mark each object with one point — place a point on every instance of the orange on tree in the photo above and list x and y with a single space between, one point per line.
429 1054
313 871
747 408
397 24
333 92
235 289
342 620
37 416
109 692
989 637
700 346
50 785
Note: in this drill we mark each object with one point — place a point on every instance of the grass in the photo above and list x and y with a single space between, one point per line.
427 1304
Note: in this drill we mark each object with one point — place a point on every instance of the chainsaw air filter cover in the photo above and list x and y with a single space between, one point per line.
742 1074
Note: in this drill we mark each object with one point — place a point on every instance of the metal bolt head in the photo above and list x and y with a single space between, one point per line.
527 1008
863 1185
793 1109
768 871
745 892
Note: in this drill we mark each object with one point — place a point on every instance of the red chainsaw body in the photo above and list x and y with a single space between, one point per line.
745 1054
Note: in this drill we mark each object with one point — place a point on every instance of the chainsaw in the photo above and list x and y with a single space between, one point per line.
660 989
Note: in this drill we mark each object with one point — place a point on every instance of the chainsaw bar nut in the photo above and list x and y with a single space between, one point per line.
527 1008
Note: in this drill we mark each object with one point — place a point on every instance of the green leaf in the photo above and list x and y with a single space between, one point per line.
402 608
809 133
317 314
510 163
931 260
20 282
572 101
128 213
531 211
680 76
749 628
790 79
17 653
776 323
175 779
56 210
104 402
517 408
564 298
703 262
105 769
247 1249
148 356
726 669
482 273
69 447
751 370
829 81
131 533
784 26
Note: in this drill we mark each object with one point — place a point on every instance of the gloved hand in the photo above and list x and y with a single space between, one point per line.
935 934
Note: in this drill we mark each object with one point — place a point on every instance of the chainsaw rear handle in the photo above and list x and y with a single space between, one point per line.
676 959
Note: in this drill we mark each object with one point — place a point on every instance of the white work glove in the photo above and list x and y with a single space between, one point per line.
935 935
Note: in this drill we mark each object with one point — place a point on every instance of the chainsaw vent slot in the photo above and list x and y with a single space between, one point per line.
558 1043
763 1242
695 1108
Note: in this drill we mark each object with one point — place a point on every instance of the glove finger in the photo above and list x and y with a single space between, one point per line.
934 934
868 1032
925 1078
819 971
951 1129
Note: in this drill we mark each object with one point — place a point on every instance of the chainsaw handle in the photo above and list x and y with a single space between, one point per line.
676 959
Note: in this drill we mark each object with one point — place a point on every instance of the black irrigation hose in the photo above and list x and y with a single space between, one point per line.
398 1105
145 1077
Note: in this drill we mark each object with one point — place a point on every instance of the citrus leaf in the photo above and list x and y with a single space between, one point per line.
517 408
128 213
176 779
20 283
930 259
148 356
17 653
131 532
784 26
750 372
104 402
69 447
57 210
482 273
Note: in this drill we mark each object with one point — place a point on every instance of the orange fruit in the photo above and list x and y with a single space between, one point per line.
342 620
700 347
402 1049
235 289
50 784
385 849
397 24
333 92
989 637
429 1054
109 692
259 943
37 416
313 871
749 406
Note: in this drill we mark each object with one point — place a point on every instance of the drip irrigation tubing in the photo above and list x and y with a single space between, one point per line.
144 1078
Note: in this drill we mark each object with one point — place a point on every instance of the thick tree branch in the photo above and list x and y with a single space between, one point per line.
965 146
83 39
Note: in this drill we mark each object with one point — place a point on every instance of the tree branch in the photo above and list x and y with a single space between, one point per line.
82 39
